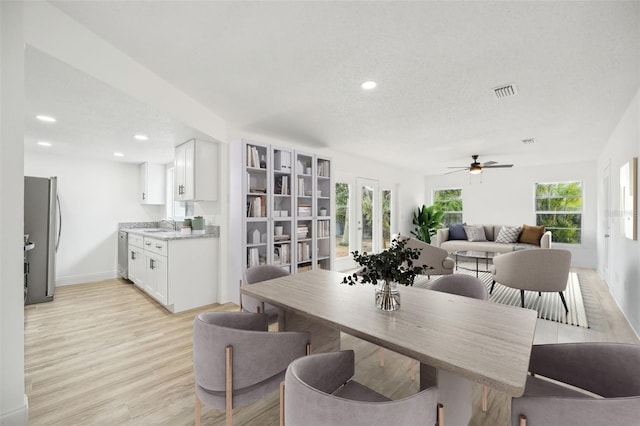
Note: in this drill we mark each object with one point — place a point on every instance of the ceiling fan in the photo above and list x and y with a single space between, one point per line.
475 168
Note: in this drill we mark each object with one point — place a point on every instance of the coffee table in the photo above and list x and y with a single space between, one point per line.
478 256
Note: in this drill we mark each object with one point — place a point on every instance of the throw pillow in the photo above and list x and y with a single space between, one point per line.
508 234
475 233
456 232
531 234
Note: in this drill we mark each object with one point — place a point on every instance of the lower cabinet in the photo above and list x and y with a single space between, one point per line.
179 273
156 277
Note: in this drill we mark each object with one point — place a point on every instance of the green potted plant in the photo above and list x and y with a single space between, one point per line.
387 269
427 221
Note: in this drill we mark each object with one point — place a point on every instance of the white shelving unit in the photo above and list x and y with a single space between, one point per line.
288 208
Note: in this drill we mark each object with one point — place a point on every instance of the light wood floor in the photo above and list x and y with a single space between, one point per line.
106 354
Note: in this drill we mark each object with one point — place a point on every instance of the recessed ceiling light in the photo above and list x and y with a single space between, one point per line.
368 85
46 118
118 154
141 137
44 143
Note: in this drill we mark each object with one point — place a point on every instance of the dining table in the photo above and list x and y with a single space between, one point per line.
457 340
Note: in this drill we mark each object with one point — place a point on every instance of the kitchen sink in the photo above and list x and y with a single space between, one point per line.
154 230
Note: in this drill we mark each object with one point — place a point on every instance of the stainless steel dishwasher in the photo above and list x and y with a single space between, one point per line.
123 258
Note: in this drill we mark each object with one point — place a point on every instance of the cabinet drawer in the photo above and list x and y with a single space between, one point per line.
136 240
155 246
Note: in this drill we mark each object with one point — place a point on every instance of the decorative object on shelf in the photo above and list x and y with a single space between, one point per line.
427 221
387 269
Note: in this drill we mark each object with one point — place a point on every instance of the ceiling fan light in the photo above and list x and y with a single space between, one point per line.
475 170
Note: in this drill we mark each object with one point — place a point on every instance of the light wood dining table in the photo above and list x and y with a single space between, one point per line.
459 339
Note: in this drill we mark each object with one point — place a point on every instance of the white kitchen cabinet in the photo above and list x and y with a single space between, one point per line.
179 273
155 283
196 171
152 183
136 265
136 261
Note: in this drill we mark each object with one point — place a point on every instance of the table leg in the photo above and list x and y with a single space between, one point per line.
455 393
477 267
323 338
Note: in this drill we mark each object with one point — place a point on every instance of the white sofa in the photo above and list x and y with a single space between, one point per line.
491 232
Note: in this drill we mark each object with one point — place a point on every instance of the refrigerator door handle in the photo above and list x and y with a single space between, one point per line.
59 222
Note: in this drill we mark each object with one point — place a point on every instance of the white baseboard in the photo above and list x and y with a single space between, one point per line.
18 416
86 278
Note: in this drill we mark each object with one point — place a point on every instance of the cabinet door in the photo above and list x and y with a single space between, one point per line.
189 171
136 266
143 183
156 279
179 173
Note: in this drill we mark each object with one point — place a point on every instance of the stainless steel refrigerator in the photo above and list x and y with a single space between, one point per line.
42 222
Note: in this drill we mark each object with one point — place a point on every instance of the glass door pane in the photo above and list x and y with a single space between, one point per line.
342 220
368 216
386 218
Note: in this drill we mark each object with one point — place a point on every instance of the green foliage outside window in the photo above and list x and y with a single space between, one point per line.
450 202
559 209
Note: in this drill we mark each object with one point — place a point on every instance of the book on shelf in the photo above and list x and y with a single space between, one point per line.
304 251
282 254
323 168
253 157
281 185
256 207
304 210
323 229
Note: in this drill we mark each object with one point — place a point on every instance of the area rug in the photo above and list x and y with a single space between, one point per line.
549 306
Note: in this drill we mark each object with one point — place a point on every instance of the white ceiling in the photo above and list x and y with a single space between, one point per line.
292 70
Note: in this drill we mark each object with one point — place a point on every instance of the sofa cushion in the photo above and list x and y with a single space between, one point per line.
508 234
456 232
457 245
531 234
475 233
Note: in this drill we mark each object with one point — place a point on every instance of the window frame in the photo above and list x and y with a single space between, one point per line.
580 212
449 212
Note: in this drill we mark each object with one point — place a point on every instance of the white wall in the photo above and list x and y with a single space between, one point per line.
94 197
506 197
624 254
13 401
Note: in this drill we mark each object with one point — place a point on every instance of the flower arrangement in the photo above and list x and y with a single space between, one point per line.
396 264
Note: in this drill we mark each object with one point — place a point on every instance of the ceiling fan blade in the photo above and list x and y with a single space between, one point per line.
456 171
500 166
458 167
488 163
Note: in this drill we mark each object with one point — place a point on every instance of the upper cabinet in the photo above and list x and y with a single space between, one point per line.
196 171
152 187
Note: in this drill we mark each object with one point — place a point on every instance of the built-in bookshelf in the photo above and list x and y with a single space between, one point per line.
288 202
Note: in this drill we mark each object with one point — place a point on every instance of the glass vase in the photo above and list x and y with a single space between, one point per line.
387 296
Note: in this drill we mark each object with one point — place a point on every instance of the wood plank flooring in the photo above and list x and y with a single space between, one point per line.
106 354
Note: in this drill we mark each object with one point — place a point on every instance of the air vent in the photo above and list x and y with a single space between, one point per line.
528 141
505 91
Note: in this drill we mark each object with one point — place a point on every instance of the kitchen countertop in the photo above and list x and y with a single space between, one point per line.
167 234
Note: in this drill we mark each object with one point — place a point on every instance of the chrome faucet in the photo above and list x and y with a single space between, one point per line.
171 222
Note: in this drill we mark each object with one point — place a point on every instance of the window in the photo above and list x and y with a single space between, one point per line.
450 202
342 220
559 209
386 218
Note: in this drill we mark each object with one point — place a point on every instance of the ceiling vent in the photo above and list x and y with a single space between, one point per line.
505 91
528 141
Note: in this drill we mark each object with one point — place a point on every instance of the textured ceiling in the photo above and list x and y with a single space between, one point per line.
292 70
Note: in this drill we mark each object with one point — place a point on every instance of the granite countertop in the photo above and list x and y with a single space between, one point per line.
153 230
166 234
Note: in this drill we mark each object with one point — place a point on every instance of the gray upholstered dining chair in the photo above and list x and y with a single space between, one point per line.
237 361
257 274
604 380
318 390
534 270
462 285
